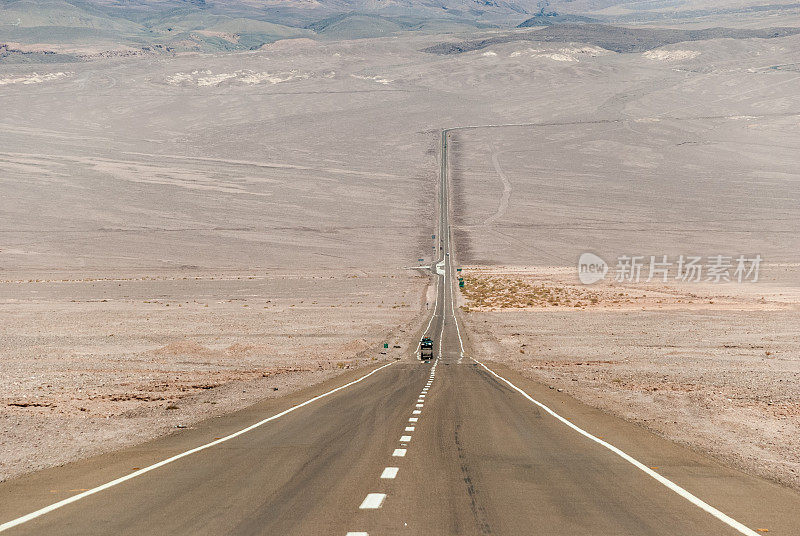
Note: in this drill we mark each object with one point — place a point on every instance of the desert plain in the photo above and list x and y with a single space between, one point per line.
186 234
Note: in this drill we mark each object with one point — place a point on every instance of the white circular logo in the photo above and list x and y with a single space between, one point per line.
591 268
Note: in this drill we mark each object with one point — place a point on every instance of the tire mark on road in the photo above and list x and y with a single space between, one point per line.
478 512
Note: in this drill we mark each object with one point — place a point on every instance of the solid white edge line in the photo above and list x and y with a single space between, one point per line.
633 461
455 319
435 303
55 506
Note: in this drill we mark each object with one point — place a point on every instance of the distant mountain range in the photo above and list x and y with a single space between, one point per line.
303 10
209 25
46 30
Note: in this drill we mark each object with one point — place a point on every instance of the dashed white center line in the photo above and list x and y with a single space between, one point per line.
416 412
399 453
372 501
409 428
405 438
390 472
422 396
420 405
413 419
357 534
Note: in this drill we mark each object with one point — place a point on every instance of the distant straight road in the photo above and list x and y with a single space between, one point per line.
447 447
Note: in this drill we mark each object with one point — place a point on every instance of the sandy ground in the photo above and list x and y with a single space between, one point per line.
93 365
714 366
137 191
182 239
683 167
715 369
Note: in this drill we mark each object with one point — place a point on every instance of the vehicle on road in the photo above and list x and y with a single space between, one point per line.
426 348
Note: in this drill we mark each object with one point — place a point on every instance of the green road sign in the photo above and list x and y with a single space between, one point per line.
386 345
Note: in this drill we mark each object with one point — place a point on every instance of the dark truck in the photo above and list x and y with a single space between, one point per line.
426 348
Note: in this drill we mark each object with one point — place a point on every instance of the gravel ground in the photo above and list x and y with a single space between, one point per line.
94 365
720 375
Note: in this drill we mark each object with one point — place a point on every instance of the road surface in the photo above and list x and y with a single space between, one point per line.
448 447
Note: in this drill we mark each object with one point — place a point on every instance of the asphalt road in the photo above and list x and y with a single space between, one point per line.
448 447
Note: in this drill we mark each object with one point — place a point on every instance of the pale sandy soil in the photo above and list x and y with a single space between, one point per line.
131 177
93 365
680 172
175 250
